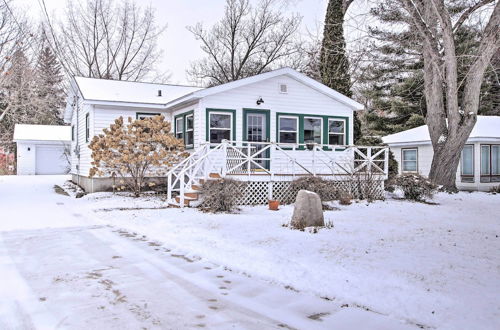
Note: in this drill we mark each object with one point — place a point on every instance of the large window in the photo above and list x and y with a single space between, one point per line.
179 127
288 128
220 126
409 160
312 130
467 163
336 132
490 163
87 128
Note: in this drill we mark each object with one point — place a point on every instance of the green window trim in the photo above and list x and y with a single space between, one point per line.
207 122
267 112
149 114
184 115
324 133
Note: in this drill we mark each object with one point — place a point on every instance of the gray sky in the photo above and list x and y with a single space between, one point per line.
179 46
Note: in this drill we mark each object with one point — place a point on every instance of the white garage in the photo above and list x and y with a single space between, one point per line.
42 149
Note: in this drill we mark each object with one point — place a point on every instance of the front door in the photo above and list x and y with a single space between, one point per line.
256 129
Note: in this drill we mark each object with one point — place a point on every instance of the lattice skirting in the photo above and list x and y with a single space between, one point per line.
257 192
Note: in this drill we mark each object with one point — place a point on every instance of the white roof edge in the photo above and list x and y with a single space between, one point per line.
263 76
127 104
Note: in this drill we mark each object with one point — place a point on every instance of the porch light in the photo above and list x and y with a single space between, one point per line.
260 101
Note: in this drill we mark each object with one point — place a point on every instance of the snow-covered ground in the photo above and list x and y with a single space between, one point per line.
390 264
431 265
65 265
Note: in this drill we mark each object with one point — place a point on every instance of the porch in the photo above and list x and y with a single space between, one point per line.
268 168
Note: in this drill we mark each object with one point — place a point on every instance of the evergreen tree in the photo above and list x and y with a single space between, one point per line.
334 65
49 81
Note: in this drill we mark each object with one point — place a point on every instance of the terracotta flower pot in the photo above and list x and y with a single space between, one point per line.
274 205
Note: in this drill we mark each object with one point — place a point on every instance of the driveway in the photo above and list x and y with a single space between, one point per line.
61 269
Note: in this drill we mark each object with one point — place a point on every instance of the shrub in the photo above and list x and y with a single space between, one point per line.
221 195
415 187
323 188
345 198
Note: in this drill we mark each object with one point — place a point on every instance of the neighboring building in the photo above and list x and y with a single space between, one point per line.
479 167
42 149
282 107
6 161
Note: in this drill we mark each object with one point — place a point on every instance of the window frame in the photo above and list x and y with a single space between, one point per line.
183 117
297 130
72 133
176 128
87 127
463 176
321 126
403 161
187 129
490 177
333 133
146 114
232 130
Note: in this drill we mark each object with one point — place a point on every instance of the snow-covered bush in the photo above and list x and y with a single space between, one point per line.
221 195
495 190
415 187
325 189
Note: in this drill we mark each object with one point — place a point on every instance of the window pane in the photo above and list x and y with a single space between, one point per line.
217 135
288 124
410 166
485 159
179 125
336 126
189 122
467 160
495 160
337 139
288 137
220 120
312 130
189 138
409 155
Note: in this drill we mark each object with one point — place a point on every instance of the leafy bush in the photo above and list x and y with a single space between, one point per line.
221 195
323 188
415 187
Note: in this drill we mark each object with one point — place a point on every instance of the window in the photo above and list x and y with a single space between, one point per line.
288 129
409 160
144 115
189 124
490 163
283 88
87 127
179 127
336 131
312 130
72 132
467 163
220 126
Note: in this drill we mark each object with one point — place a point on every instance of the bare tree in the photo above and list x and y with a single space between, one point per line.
12 30
247 41
105 39
451 115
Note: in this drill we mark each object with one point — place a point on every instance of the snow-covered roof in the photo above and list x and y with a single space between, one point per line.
130 92
42 132
263 76
487 127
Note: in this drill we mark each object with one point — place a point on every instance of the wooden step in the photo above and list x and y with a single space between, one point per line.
196 187
192 195
214 176
186 200
173 205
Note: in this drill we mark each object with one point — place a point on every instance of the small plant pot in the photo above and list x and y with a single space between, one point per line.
274 205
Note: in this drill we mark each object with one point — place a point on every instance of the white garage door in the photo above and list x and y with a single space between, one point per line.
50 160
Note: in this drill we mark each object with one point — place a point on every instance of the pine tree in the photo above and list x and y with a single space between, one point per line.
49 87
334 65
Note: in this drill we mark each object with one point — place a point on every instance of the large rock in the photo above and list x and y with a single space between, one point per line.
308 210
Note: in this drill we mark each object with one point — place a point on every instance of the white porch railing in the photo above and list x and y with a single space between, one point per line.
274 162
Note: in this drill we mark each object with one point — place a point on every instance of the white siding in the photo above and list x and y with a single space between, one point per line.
300 99
26 156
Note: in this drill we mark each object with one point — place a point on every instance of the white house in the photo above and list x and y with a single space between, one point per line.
279 112
42 149
479 167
